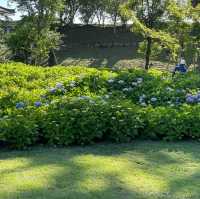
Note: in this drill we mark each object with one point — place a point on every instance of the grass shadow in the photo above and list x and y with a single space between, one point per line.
138 170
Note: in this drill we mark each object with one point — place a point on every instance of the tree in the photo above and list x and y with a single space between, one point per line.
100 11
4 51
67 14
184 25
34 36
113 9
147 15
195 14
178 26
87 10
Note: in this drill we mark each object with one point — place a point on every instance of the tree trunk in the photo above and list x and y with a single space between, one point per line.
52 61
195 3
198 61
148 52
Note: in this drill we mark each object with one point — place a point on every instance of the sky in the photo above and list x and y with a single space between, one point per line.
16 16
5 3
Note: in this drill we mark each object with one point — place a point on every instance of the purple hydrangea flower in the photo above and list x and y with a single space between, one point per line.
38 104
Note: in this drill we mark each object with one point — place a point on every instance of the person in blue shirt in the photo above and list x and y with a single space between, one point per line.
181 67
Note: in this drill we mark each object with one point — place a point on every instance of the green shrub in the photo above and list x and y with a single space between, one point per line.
124 122
18 129
75 122
79 105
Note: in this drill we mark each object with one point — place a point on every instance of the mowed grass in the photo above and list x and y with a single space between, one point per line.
141 170
117 57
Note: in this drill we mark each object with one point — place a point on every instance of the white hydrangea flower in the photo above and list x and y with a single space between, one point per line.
125 89
143 104
72 84
121 82
139 80
107 96
134 83
169 89
153 99
111 81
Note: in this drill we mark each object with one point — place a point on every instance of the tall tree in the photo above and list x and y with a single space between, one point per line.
87 10
178 26
195 12
146 16
69 12
113 9
35 35
100 11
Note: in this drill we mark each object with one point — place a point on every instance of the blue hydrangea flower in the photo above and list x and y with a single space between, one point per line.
179 91
198 95
38 104
59 85
20 105
52 90
141 99
190 99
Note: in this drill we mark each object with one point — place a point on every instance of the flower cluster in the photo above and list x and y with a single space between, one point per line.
142 99
193 98
127 89
54 90
20 105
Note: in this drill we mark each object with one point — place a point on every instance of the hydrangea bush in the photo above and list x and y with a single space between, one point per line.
78 105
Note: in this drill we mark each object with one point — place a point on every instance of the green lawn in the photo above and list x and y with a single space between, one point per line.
149 170
118 57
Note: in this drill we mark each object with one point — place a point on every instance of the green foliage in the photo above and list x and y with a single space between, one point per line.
4 51
156 50
34 38
78 105
146 16
29 46
19 129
